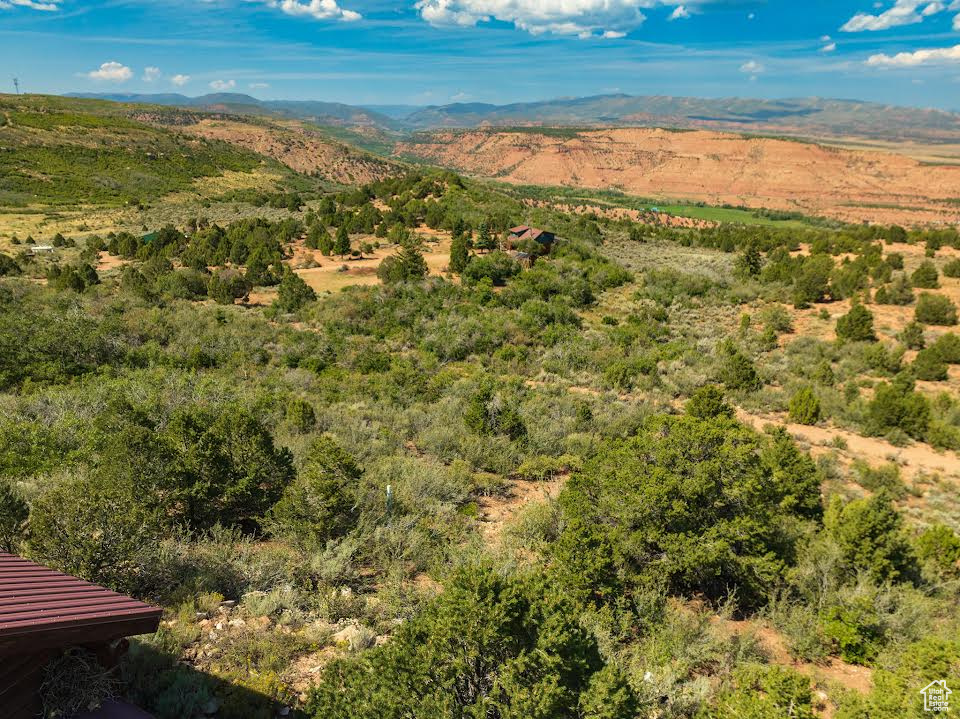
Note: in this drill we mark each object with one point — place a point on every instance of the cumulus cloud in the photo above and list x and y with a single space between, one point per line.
934 56
317 9
223 85
111 72
583 18
151 73
829 47
752 67
903 12
180 80
48 6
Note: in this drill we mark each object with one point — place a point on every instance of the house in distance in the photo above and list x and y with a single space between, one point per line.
526 243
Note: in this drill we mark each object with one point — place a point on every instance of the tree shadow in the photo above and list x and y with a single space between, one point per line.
159 683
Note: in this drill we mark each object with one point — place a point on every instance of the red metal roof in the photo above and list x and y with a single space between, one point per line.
43 608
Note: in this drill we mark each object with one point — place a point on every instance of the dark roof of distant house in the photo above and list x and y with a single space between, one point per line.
41 608
523 232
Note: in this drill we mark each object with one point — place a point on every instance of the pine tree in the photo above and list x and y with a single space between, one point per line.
484 238
459 255
342 244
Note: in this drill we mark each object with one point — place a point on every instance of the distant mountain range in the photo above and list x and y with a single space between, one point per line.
807 117
324 113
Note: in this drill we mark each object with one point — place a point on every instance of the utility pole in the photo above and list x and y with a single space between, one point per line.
16 85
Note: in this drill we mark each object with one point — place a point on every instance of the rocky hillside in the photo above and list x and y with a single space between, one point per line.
710 167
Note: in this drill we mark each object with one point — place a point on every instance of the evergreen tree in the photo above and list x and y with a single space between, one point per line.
459 254
341 245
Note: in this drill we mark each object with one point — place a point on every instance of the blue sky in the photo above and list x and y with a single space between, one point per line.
440 51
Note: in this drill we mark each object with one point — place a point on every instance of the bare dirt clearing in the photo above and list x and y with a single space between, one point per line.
717 168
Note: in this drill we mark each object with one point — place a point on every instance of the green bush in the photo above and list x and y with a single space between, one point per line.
947 347
708 402
488 646
870 535
13 517
898 406
925 277
737 371
854 630
929 366
321 504
497 267
856 325
697 504
939 546
763 692
912 336
805 407
936 310
293 292
96 530
952 268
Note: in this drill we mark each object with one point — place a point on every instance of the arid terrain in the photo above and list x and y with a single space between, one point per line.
716 168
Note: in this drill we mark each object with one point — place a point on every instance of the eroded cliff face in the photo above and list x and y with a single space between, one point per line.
717 168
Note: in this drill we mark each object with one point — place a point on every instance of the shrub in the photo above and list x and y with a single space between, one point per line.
487 646
763 692
952 268
929 366
936 310
948 347
228 285
95 530
912 336
805 407
939 546
776 318
856 325
497 267
897 406
696 504
8 266
301 415
293 292
321 504
898 292
925 277
708 402
854 630
737 371
13 517
406 266
870 535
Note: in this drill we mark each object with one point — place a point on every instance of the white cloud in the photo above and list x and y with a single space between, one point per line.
934 56
903 12
151 73
180 80
223 85
111 72
317 9
258 85
956 23
49 6
583 18
752 67
829 47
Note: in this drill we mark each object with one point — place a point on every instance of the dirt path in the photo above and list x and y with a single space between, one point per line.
913 460
497 512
